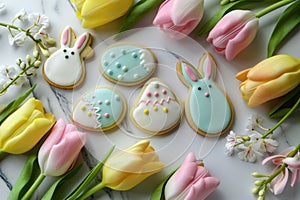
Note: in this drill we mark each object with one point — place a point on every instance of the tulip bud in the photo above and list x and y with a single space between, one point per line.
269 79
95 13
129 167
179 18
24 128
59 152
190 180
233 33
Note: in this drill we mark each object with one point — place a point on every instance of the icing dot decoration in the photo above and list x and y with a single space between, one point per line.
117 98
118 65
107 102
165 109
89 114
156 94
148 94
146 112
125 69
110 72
99 102
164 91
106 115
83 108
155 108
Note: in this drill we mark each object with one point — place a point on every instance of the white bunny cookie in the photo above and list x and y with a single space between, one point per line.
208 109
65 68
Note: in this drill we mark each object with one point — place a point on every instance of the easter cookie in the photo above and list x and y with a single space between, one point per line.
65 68
208 108
99 110
127 63
157 110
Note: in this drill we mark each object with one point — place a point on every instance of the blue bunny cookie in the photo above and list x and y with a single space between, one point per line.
127 63
208 109
100 109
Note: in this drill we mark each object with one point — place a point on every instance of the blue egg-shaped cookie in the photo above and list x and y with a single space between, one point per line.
99 110
127 63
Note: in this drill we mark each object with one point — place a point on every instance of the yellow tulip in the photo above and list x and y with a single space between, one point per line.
95 13
24 128
269 79
129 167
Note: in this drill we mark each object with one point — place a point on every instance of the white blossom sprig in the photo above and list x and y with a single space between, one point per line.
253 144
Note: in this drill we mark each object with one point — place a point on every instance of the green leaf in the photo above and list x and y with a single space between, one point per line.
12 106
159 190
91 175
50 194
227 8
286 23
27 177
140 9
286 103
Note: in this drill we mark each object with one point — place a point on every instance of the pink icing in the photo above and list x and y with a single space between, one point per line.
65 37
156 94
148 94
164 91
161 102
208 68
191 74
81 41
106 115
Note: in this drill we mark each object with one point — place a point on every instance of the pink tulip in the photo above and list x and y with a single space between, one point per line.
60 150
179 18
233 33
191 181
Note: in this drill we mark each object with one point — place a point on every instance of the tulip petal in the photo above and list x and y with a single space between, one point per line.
242 39
202 188
30 136
185 11
274 67
242 75
63 154
18 118
163 17
228 23
274 88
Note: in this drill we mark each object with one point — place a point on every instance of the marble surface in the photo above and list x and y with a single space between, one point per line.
235 175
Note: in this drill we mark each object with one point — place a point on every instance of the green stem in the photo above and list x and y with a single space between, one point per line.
273 7
91 191
282 119
16 78
35 185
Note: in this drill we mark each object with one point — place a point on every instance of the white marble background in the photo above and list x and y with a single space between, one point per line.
235 175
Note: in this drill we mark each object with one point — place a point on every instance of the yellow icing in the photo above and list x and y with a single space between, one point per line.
146 112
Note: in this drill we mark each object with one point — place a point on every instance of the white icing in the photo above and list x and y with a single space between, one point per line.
157 120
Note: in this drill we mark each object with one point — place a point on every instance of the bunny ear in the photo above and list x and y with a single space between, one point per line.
207 66
187 73
66 37
82 41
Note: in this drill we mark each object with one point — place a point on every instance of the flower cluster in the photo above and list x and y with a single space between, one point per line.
253 143
23 27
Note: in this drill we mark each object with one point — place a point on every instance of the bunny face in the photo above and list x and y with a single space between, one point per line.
207 107
65 67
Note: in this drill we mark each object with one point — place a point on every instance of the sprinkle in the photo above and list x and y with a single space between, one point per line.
146 112
89 114
105 63
117 98
107 102
120 77
134 55
125 68
118 65
165 109
106 115
83 108
124 51
112 55
99 102
164 91
148 94
156 94
155 108
110 72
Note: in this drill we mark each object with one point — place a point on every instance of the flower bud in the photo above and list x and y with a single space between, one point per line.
24 128
28 58
129 167
269 79
95 13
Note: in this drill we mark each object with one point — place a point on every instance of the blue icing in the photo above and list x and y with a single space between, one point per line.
127 63
104 100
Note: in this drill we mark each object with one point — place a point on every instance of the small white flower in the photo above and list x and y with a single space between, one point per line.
246 154
12 72
18 40
231 141
39 20
22 15
262 145
253 122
